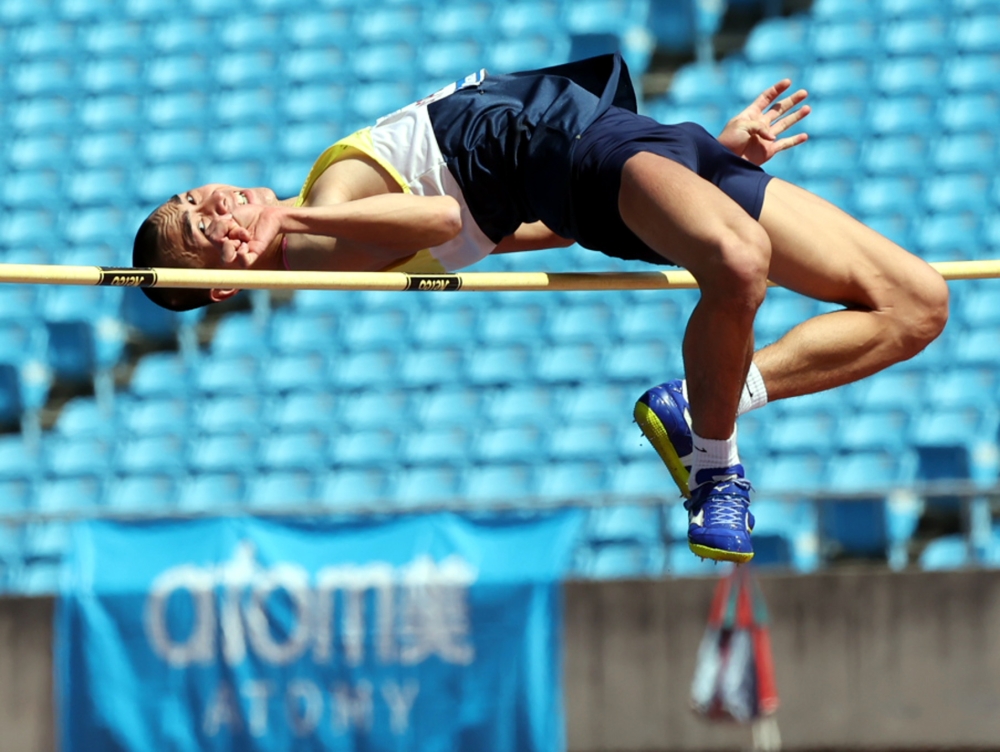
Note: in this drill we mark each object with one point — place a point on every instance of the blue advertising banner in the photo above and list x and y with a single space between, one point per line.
431 633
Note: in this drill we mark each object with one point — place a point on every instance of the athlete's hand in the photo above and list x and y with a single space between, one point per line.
753 134
251 231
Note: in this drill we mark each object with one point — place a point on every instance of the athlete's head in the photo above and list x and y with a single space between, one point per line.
186 232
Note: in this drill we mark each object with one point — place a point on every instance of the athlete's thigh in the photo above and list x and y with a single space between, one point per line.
679 214
821 251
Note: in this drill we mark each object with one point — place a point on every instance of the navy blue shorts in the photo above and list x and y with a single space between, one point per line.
619 134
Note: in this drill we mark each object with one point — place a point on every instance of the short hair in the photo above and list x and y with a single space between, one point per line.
147 251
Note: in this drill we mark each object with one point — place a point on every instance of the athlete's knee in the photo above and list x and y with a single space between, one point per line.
927 309
741 261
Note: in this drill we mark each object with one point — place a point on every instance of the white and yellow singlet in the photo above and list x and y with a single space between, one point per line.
403 144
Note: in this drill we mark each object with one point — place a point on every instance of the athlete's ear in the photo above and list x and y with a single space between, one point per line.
218 296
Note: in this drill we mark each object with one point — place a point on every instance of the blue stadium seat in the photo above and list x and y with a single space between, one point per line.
316 409
428 485
432 367
458 406
624 524
18 458
163 453
776 40
582 322
314 65
320 27
224 414
212 491
643 477
510 444
177 73
115 36
914 8
356 487
699 83
829 158
831 10
382 408
385 21
757 78
513 323
496 365
781 311
42 115
157 415
145 492
910 76
281 489
958 192
85 416
379 98
973 73
978 33
854 529
28 189
461 21
946 552
836 79
444 444
897 155
838 191
620 561
975 112
597 402
887 194
381 327
954 426
76 493
384 61
527 52
567 363
30 151
571 481
845 38
927 35
980 308
116 75
317 101
54 77
368 447
651 361
789 474
299 372
113 112
527 404
871 431
229 374
651 318
295 332
446 326
893 389
105 150
872 470
806 432
304 449
239 334
224 453
183 34
177 109
903 115
366 369
77 456
508 483
582 441
245 130
947 236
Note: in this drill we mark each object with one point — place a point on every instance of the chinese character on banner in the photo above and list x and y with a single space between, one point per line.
734 673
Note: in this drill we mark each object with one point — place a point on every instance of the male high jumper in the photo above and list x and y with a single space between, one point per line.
542 159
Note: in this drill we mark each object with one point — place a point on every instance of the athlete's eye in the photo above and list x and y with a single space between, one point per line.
190 199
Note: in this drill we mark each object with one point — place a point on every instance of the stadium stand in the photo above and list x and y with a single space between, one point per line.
345 400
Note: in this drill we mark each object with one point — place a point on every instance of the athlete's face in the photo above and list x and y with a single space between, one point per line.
194 222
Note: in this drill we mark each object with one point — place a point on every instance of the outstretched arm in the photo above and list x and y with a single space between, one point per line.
394 221
753 133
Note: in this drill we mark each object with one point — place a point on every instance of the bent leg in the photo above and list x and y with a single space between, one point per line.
896 303
691 222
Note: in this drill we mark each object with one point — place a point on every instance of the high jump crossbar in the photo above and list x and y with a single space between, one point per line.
107 276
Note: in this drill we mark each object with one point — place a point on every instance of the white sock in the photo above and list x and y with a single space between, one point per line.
712 454
754 392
